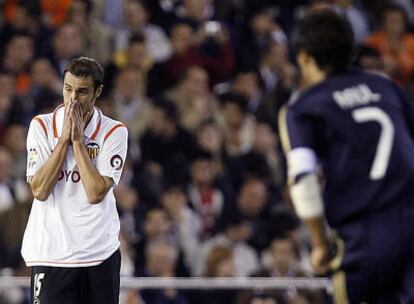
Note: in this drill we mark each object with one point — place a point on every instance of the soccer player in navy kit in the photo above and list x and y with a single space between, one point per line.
357 129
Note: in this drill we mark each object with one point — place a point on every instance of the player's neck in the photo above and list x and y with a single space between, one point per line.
314 76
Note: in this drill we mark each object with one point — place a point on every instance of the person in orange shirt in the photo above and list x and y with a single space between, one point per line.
395 45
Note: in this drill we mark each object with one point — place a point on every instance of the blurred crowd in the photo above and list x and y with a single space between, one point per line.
199 84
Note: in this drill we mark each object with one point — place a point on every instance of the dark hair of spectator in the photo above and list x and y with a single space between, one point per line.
174 187
295 246
217 255
235 98
186 72
202 154
168 107
86 67
136 38
366 51
328 38
180 22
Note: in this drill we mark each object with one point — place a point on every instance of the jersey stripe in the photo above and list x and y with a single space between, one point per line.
98 126
112 130
283 130
55 132
42 124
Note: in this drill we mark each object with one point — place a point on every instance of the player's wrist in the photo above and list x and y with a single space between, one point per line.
64 140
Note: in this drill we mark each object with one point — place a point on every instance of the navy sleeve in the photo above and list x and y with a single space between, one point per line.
297 130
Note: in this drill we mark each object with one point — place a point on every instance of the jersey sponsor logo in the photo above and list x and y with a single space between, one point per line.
355 96
33 157
68 175
93 150
116 162
37 286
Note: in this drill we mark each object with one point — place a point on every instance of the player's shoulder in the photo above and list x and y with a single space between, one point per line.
308 98
112 127
319 94
45 118
42 122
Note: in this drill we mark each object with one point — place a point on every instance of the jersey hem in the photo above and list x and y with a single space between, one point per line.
69 264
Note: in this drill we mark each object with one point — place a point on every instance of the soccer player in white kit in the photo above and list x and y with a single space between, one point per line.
75 159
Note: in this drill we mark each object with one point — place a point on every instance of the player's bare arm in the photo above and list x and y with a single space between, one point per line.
307 199
43 182
321 245
96 186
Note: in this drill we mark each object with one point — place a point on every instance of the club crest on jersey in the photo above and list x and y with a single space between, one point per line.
93 150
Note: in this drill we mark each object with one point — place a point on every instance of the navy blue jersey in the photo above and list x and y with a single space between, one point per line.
361 128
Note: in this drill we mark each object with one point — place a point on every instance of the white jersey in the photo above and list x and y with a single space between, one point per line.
66 230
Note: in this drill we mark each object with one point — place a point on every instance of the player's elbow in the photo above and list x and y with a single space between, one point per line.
40 195
96 197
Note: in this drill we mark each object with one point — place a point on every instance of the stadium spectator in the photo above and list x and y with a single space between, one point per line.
130 103
186 224
395 44
97 38
193 98
236 123
187 52
210 139
137 20
369 58
135 56
350 10
266 144
66 45
220 262
17 58
12 191
278 78
14 141
207 192
161 261
233 236
55 12
166 147
197 12
155 224
45 92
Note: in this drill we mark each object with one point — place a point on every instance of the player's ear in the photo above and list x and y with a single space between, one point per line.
98 92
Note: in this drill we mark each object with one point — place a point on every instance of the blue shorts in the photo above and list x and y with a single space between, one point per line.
375 258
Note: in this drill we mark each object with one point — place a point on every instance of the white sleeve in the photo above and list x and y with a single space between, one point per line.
307 198
301 160
37 145
112 157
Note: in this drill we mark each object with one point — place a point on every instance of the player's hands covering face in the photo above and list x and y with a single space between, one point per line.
67 123
78 122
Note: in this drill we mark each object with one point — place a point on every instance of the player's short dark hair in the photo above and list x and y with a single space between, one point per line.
328 38
86 67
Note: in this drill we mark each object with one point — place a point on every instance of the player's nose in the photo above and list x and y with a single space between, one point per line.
74 97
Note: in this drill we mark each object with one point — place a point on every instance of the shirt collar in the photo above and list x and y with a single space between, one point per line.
91 130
